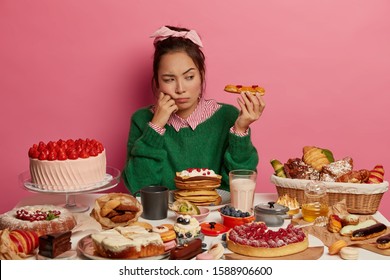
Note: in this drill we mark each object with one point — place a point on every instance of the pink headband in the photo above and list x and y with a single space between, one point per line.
164 33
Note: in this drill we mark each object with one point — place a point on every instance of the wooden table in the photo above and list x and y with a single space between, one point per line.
87 225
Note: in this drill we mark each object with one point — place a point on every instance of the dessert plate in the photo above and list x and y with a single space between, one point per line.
225 195
85 247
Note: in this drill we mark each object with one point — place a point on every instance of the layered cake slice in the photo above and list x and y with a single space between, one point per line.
53 245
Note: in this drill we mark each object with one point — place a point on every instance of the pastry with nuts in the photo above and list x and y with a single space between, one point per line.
116 209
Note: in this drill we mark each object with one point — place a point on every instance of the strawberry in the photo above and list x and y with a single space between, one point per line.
41 146
93 152
83 154
72 153
70 142
51 145
52 155
33 152
43 155
62 155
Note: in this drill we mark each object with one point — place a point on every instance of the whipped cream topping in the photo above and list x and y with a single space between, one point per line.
193 227
195 172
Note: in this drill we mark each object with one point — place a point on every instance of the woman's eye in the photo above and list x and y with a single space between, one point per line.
189 77
168 80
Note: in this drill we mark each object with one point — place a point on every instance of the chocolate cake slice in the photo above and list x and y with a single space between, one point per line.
53 245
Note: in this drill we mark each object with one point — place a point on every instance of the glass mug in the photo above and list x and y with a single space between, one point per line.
315 201
242 189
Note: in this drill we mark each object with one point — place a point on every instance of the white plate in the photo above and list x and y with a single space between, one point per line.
85 247
225 195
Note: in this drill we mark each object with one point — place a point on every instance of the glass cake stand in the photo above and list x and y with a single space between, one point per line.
111 180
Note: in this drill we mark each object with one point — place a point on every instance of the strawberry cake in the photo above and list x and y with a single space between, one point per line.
43 219
69 165
256 240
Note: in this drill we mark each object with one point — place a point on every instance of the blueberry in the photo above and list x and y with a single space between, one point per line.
186 221
188 234
180 235
223 237
243 215
180 220
204 245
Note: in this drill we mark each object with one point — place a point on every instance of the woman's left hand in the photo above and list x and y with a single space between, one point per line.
252 106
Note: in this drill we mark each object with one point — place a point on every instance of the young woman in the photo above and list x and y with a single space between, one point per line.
183 129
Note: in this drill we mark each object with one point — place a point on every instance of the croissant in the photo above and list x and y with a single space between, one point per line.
376 175
316 157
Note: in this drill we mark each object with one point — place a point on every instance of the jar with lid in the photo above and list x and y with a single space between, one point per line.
271 213
315 201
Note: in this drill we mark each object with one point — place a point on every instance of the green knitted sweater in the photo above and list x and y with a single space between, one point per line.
153 159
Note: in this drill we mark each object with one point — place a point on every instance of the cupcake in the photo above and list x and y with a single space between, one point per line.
186 228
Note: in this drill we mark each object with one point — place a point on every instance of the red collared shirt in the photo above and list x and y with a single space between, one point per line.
204 110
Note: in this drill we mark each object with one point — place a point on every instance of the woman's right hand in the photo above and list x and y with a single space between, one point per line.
164 108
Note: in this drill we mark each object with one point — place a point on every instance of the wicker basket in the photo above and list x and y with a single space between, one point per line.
360 198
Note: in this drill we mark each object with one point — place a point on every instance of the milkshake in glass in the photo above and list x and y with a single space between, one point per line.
242 189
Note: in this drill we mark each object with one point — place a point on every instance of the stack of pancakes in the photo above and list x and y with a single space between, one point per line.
199 190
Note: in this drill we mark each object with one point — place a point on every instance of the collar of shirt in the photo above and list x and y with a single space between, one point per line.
204 110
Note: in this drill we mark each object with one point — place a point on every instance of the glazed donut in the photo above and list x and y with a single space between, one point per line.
239 88
383 242
369 232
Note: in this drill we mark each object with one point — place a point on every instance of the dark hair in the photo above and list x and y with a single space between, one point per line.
177 44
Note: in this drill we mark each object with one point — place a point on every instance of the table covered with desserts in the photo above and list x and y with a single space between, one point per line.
87 225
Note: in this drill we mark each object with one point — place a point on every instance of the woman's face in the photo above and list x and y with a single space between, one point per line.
179 78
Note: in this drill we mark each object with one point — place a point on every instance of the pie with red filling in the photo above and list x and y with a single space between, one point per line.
256 240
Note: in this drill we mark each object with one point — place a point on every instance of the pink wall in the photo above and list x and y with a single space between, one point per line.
77 69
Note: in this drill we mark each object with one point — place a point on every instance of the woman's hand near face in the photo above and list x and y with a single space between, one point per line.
165 106
252 106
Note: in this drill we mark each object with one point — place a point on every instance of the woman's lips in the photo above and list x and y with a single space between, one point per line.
181 100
